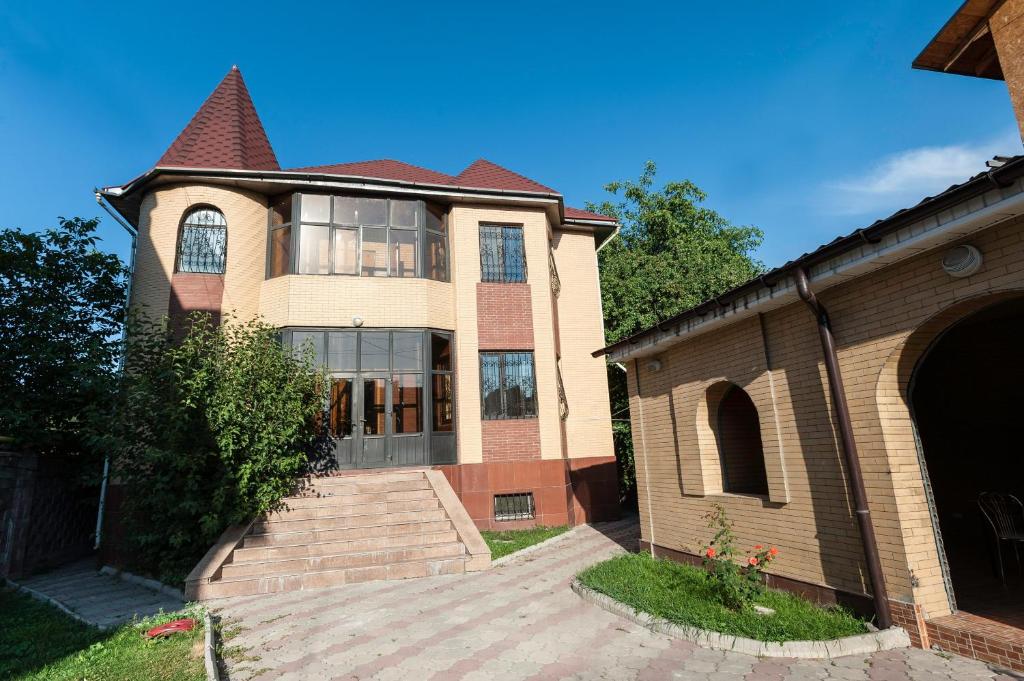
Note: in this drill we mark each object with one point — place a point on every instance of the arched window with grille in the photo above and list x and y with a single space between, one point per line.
202 247
739 444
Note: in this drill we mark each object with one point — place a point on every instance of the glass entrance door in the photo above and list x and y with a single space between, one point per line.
372 450
377 421
391 394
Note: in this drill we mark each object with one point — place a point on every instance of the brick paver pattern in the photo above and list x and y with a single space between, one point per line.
517 621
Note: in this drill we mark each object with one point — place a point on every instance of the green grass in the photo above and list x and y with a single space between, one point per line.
682 594
505 542
40 643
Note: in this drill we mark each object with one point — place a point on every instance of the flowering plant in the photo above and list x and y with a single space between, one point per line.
736 584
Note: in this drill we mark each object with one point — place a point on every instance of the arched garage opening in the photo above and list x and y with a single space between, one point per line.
968 407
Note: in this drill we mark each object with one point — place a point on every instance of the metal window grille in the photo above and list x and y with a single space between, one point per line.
517 506
563 402
502 257
507 385
203 247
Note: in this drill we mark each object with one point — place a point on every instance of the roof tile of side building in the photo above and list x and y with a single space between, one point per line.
226 132
1011 166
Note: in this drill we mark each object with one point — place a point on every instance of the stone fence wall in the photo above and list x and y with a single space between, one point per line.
45 518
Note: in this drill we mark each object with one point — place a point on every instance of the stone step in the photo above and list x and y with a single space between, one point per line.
313 536
337 510
375 508
342 561
246 586
334 498
388 477
376 543
356 485
349 520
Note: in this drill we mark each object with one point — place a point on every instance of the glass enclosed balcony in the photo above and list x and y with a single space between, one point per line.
357 236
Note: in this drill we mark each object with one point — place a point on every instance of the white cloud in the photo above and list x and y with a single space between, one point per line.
902 179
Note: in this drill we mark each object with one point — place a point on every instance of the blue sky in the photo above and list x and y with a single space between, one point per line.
803 118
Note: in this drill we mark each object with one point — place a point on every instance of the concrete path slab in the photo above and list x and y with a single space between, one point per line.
514 622
100 600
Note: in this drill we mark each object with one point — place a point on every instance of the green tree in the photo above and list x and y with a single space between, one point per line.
61 310
207 430
672 254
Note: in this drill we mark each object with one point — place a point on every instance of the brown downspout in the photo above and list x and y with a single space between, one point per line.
835 383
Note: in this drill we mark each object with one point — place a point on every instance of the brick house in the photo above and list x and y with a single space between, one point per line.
456 314
853 406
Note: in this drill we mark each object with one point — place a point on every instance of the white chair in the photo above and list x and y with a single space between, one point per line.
1005 513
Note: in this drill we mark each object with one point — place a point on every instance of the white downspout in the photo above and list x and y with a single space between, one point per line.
133 233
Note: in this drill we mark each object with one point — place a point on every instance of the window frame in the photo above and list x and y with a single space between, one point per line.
191 210
729 486
432 438
335 224
503 276
503 387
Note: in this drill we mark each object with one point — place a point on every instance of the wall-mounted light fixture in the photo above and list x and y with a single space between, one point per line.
357 321
654 365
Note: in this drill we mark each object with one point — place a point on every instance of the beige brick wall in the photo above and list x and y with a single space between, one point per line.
160 221
464 238
384 302
310 300
581 332
882 322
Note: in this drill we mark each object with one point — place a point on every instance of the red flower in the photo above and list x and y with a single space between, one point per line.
758 547
710 553
752 560
773 551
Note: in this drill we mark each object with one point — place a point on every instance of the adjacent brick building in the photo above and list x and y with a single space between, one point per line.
456 313
925 311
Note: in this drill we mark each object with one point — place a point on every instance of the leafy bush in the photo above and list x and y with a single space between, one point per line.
737 585
207 431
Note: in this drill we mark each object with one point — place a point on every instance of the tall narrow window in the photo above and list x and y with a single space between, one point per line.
507 386
443 395
203 246
739 444
502 255
281 237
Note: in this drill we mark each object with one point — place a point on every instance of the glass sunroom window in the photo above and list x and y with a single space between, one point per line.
358 236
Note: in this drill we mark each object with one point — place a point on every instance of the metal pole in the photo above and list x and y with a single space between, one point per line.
120 362
835 382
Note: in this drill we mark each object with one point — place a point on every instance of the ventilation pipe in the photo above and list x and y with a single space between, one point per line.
835 383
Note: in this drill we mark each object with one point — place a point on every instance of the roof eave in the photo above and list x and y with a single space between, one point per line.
767 291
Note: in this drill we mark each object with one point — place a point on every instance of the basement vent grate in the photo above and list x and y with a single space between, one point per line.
513 506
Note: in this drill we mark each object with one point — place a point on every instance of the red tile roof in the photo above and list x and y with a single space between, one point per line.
226 132
580 214
384 169
483 173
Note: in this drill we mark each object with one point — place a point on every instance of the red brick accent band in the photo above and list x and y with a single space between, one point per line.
510 440
504 316
195 293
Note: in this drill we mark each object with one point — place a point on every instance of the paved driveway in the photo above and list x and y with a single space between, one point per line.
517 621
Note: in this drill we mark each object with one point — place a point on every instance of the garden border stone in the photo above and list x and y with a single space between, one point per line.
151 584
861 644
210 649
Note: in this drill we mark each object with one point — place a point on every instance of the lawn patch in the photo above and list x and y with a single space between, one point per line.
682 594
503 542
40 643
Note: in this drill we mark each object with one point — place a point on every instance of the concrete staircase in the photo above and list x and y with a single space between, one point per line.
388 524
